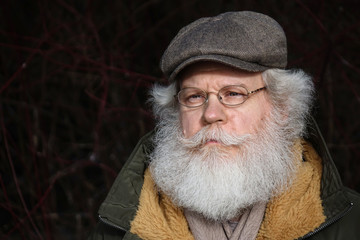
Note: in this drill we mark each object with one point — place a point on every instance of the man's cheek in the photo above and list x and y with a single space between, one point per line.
189 125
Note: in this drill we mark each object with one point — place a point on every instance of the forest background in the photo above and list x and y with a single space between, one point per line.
74 79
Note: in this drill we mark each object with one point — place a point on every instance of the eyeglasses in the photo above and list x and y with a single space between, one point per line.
232 95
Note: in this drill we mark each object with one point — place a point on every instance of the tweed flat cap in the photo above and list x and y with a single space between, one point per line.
245 40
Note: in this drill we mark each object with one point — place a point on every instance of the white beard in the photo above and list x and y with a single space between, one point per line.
216 182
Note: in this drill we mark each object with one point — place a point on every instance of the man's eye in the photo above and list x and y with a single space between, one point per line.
234 94
194 97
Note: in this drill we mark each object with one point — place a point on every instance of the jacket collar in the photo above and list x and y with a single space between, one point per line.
334 199
121 203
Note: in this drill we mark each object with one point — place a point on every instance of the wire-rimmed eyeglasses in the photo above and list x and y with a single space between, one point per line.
232 95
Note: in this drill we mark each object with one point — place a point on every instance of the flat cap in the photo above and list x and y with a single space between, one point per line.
245 40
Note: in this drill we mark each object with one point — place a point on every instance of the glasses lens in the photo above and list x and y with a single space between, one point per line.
233 95
192 97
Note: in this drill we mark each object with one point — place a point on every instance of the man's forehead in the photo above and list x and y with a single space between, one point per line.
212 68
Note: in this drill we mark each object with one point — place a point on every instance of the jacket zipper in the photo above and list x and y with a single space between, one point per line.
341 215
107 222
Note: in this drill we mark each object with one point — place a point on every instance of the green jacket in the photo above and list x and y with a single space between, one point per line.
341 205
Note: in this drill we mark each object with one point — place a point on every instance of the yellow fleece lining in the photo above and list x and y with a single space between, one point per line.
298 210
157 217
290 215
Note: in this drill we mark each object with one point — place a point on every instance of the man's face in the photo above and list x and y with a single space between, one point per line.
239 120
222 147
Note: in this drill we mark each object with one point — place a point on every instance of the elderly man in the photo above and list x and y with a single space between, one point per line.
235 154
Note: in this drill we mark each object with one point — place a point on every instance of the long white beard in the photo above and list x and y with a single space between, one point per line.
220 181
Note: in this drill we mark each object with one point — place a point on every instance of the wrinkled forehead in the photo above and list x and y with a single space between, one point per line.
209 68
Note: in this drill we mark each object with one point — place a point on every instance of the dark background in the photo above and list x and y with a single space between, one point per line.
74 77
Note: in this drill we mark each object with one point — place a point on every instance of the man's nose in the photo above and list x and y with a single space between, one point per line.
214 110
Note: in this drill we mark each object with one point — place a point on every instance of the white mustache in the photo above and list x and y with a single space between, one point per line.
206 135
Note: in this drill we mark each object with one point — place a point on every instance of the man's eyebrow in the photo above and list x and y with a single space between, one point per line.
220 87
